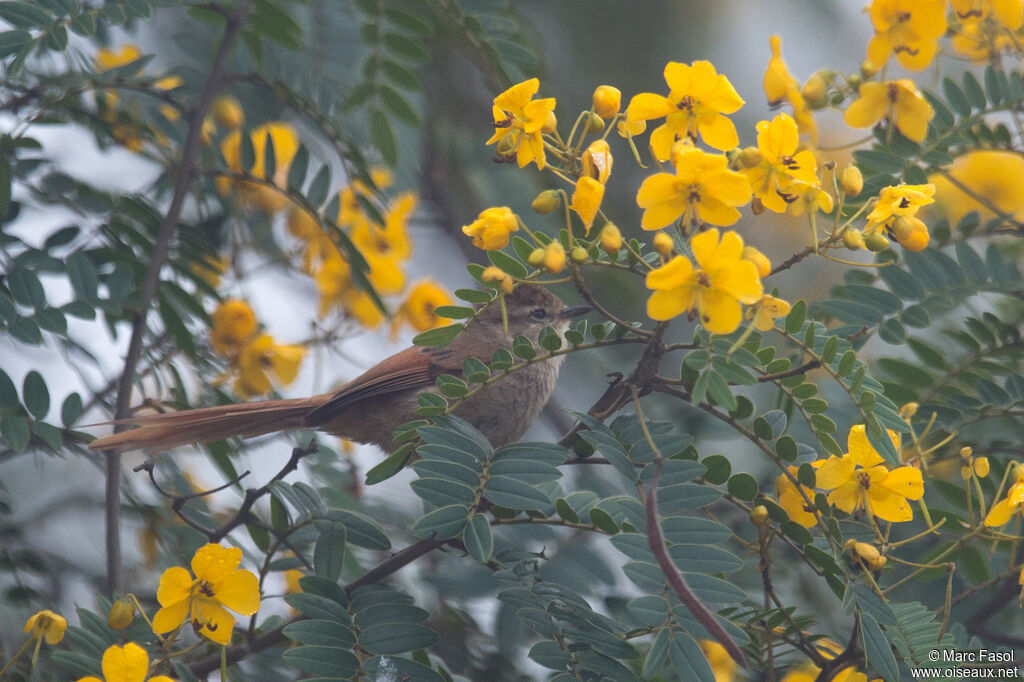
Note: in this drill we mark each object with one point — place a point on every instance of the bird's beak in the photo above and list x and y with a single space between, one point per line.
575 311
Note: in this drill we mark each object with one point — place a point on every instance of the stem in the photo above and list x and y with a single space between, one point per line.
16 656
183 178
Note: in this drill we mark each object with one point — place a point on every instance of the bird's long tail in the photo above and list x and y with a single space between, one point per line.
170 429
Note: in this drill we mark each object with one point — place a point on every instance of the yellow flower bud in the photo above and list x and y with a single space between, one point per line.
495 274
554 257
536 257
868 69
607 100
748 157
207 131
122 612
851 181
663 244
876 242
578 255
756 207
868 553
909 410
611 239
981 467
759 515
965 471
910 232
760 261
854 80
550 123
966 452
814 92
877 564
853 239
848 545
547 201
595 124
227 112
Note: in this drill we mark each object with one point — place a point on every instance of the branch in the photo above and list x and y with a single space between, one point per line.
182 181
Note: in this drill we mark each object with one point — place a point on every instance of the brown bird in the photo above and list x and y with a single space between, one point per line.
368 408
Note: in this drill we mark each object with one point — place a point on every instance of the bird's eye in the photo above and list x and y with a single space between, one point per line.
538 313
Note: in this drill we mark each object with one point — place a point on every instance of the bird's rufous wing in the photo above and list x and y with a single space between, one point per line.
410 369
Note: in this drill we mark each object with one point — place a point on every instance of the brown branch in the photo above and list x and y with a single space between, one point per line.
182 181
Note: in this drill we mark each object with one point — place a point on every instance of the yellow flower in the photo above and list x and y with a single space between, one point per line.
606 101
909 28
317 246
391 240
764 266
899 102
767 310
702 191
714 291
519 121
554 257
210 268
808 672
780 86
129 663
493 273
286 143
586 200
227 112
233 324
259 359
491 230
982 41
697 100
108 58
859 480
1003 510
792 501
1008 13
782 174
910 232
994 177
895 202
418 308
596 161
337 290
46 625
663 244
218 583
722 665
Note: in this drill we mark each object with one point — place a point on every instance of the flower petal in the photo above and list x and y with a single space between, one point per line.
718 132
212 562
719 312
175 585
215 623
129 663
673 274
664 305
905 482
170 616
518 95
891 508
240 592
647 105
834 472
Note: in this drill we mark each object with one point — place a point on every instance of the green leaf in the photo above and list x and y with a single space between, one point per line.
36 394
406 47
393 464
797 315
24 15
329 555
327 662
656 655
15 431
383 137
478 538
446 522
508 492
603 520
8 393
323 632
398 105
438 337
396 638
876 647
992 85
400 75
688 660
443 492
318 189
83 277
14 41
507 264
26 288
718 469
742 486
719 391
955 96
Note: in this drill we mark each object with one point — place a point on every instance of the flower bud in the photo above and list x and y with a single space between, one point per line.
851 181
227 112
611 239
748 157
536 257
547 201
759 515
554 257
855 80
607 100
965 472
868 69
122 612
493 273
207 131
966 452
595 124
814 92
909 410
550 123
756 207
868 553
760 261
981 467
1016 471
663 244
877 564
910 232
578 255
853 239
876 242
836 99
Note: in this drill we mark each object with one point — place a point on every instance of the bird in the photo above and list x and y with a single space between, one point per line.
370 407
